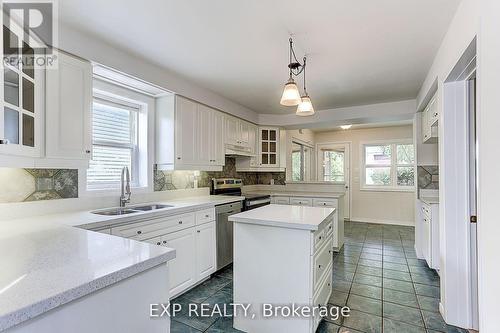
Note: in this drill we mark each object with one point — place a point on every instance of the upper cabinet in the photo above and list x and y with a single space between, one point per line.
269 151
22 101
240 136
430 119
189 135
68 112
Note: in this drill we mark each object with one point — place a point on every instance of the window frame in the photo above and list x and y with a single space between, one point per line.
303 161
136 108
393 187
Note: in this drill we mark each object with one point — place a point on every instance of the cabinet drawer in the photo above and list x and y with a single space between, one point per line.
322 261
320 202
301 201
322 293
155 227
319 239
281 200
204 216
329 229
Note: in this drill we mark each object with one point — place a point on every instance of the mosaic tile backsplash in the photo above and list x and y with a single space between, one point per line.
428 177
176 180
19 185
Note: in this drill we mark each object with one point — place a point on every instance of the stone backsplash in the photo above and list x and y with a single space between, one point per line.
175 180
428 177
19 185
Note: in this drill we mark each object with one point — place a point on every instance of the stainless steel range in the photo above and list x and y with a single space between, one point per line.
224 228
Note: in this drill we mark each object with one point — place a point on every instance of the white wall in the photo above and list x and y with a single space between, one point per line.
489 181
374 206
92 48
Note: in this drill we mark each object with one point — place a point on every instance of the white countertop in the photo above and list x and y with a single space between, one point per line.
311 194
46 262
285 216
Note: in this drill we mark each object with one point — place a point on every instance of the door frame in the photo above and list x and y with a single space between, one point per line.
348 147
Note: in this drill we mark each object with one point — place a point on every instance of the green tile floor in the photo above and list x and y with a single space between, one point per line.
376 274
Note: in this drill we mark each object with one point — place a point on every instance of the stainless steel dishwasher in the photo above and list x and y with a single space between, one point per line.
224 232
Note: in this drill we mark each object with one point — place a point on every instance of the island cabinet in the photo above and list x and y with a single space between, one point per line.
282 256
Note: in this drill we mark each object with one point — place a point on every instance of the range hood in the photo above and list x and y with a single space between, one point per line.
235 151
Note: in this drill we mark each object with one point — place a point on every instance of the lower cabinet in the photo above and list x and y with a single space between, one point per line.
183 267
192 235
429 234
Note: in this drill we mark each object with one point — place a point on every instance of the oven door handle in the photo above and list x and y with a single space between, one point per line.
258 202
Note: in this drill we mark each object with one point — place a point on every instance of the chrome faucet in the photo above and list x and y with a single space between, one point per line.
125 177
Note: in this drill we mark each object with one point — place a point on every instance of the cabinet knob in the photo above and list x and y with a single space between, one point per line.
180 222
158 243
87 151
198 231
139 232
320 237
165 242
178 158
319 266
207 216
4 142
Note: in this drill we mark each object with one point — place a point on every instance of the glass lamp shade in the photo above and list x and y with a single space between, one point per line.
291 95
305 107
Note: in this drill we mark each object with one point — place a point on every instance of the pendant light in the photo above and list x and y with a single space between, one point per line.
305 107
291 95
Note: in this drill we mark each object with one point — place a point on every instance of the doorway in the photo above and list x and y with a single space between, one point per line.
334 166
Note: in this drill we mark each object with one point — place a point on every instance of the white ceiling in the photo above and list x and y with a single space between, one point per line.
360 51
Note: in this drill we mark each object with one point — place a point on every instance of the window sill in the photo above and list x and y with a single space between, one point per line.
114 191
387 189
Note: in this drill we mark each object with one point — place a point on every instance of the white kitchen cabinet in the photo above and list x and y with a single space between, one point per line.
240 136
68 112
337 203
430 117
205 250
22 107
189 135
269 142
183 267
429 234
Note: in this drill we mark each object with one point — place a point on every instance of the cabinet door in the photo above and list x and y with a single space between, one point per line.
426 239
217 135
186 120
182 269
204 133
244 139
232 131
21 101
205 250
68 114
253 135
269 147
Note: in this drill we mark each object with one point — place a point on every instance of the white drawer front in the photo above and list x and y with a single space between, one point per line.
281 200
155 227
324 290
204 216
322 260
322 202
297 201
319 239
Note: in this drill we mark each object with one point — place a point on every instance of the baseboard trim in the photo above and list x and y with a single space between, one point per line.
392 222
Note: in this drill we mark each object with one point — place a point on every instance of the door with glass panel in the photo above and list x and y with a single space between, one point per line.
21 97
333 166
269 147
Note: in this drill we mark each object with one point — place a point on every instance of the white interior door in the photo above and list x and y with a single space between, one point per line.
334 166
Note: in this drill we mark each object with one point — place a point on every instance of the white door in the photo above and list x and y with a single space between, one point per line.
205 135
68 113
205 250
232 130
182 269
244 134
334 166
186 120
217 135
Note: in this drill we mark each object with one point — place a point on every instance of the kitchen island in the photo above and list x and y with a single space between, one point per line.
282 256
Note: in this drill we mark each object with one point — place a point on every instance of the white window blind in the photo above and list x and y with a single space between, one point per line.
114 143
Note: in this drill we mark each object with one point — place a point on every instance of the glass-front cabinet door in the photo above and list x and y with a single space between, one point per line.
269 141
21 98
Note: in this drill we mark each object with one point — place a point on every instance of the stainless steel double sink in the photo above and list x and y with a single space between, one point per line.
131 210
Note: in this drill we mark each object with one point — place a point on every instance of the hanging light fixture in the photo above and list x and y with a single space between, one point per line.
291 95
305 107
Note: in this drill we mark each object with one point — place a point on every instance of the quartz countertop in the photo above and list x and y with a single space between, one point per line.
48 262
311 194
285 216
